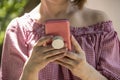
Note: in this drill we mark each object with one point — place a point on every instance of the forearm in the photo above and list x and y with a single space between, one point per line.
29 75
90 73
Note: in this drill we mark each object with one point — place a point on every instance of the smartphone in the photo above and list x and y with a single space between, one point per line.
61 28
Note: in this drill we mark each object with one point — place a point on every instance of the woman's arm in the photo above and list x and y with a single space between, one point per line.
40 57
27 74
14 55
14 52
90 73
108 67
76 62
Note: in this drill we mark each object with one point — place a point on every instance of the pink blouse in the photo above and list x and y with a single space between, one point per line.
99 41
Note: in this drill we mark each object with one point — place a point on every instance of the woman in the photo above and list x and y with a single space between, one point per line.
96 54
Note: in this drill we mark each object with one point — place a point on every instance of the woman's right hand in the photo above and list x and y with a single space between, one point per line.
42 55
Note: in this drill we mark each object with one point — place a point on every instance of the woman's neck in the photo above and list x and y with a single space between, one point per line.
53 10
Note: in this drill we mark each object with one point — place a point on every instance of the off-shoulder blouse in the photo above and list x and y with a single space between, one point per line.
99 41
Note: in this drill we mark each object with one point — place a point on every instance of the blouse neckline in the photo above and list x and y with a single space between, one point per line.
97 27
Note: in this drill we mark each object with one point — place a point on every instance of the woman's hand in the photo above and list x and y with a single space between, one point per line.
40 57
76 62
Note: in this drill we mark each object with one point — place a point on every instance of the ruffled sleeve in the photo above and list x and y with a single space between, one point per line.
109 61
14 52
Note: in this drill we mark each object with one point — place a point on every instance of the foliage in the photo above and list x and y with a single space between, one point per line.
9 9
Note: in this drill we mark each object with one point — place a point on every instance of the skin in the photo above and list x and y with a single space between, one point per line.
74 61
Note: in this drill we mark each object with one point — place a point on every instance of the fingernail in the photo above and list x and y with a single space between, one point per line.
67 49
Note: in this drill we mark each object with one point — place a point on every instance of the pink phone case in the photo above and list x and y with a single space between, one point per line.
59 28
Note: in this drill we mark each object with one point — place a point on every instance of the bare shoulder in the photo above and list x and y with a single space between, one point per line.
97 16
100 15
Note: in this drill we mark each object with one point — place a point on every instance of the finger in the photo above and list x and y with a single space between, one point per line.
54 52
55 57
69 61
72 55
40 49
70 67
48 48
76 45
43 40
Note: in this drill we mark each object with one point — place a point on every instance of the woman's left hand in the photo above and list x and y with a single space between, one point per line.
74 61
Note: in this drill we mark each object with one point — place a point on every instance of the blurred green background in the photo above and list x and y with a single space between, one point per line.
10 9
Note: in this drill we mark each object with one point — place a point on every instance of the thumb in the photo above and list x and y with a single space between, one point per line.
76 44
